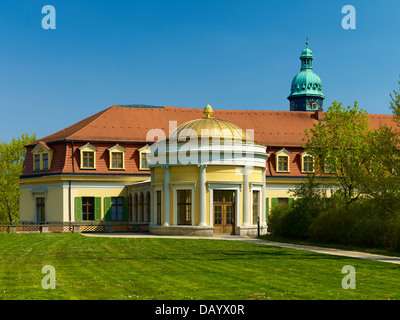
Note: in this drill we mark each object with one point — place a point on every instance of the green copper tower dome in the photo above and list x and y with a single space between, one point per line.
306 89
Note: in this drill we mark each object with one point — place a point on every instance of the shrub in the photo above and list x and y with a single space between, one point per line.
356 225
289 221
361 224
276 221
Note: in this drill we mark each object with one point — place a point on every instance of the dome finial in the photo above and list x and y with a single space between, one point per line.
307 42
208 111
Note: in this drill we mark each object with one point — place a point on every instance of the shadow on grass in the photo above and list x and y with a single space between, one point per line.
214 255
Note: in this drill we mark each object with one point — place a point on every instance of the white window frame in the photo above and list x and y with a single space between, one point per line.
145 149
304 155
87 148
259 189
183 185
40 150
282 153
116 149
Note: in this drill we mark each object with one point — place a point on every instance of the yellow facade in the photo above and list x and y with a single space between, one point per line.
54 204
235 174
188 176
60 193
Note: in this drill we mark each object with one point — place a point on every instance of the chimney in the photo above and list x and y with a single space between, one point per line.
319 115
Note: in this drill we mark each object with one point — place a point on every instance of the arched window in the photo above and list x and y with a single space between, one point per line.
158 209
141 207
130 208
135 207
148 206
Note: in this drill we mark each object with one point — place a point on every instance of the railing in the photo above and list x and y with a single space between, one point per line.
48 227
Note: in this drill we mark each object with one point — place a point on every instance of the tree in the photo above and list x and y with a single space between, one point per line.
382 161
338 147
395 103
12 157
311 196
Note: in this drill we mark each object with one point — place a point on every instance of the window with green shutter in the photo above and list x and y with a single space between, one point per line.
274 202
78 208
107 208
266 208
283 201
87 208
116 208
97 208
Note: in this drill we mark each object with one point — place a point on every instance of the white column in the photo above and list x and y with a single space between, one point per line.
153 206
166 196
152 220
263 196
246 192
202 193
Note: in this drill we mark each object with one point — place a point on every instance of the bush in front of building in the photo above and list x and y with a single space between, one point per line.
351 226
291 221
361 224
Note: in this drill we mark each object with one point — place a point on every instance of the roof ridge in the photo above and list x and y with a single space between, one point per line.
139 106
94 116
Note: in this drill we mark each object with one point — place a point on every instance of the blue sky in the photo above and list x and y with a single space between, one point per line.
229 54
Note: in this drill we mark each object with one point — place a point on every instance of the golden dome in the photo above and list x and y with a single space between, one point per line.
211 128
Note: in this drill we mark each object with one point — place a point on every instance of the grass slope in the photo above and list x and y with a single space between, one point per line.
152 268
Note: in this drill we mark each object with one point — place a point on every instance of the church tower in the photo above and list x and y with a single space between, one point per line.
306 89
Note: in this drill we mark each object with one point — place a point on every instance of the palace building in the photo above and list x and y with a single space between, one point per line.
172 170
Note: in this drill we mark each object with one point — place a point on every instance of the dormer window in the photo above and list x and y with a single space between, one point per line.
37 162
143 160
328 165
88 159
117 162
307 163
88 156
117 158
45 161
283 163
42 156
282 160
144 163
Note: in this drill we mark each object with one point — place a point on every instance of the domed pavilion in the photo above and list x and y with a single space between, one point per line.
208 177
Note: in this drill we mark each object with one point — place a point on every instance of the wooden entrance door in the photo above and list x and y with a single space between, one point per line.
224 212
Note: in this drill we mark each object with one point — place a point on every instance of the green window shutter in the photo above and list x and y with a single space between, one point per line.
78 208
107 209
274 202
126 209
266 208
291 200
97 209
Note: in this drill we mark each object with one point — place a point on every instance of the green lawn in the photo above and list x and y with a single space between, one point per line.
151 268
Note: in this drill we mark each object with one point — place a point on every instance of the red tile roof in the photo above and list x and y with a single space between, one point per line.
131 124
128 126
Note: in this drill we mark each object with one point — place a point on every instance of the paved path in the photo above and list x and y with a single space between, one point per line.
331 251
